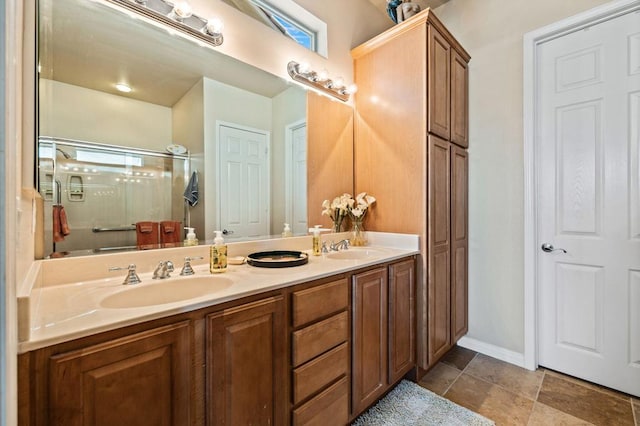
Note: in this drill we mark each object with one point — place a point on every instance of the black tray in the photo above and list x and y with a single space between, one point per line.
277 259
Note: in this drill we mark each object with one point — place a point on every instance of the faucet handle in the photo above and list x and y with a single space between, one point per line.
186 268
325 248
131 278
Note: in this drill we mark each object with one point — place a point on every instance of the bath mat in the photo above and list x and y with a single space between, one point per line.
411 404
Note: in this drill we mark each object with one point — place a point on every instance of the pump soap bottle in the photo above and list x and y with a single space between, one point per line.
317 244
286 232
218 255
191 237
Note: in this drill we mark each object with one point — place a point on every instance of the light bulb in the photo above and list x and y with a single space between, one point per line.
182 10
338 82
214 26
304 68
351 89
323 75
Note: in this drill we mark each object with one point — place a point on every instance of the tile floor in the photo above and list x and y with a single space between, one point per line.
511 395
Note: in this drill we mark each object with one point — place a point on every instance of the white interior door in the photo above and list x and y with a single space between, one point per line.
296 178
244 182
589 203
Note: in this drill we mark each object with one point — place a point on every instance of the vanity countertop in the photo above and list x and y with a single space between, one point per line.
63 312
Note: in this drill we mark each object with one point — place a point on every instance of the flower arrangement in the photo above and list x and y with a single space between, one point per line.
357 212
338 209
360 206
356 209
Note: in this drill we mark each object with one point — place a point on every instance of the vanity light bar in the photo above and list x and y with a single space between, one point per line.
320 81
177 15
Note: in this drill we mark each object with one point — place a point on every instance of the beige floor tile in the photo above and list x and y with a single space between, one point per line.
489 400
543 415
585 402
589 385
439 378
513 378
458 357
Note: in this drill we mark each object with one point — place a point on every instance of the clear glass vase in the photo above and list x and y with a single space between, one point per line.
358 237
337 224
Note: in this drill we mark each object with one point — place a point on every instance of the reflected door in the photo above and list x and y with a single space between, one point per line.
589 204
297 178
244 200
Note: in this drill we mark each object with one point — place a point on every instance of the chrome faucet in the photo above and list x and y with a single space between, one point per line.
187 269
132 277
340 245
163 270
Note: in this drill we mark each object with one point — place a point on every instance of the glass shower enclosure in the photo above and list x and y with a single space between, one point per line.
98 192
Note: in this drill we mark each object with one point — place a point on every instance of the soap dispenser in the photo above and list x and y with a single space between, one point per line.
218 255
287 231
317 244
191 237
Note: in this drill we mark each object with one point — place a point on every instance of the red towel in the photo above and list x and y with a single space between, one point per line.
60 225
170 233
147 235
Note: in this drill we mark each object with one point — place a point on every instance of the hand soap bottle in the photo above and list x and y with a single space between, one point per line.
218 255
191 237
317 243
286 232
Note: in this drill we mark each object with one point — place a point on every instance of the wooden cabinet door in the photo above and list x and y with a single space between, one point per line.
459 100
439 82
439 249
402 320
459 242
143 379
246 365
369 360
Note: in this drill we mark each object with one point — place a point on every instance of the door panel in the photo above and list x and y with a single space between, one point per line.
439 110
588 175
244 182
439 240
459 242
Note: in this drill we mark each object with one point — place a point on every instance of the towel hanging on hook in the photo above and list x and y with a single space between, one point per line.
191 191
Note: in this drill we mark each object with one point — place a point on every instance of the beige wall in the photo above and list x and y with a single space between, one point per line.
349 23
188 130
224 103
289 107
73 112
492 31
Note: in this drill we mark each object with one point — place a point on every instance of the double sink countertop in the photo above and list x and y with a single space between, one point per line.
66 299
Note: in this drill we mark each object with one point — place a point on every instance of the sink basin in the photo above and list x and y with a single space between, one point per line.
173 290
354 254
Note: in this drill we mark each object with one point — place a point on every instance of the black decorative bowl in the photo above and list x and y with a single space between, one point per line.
277 259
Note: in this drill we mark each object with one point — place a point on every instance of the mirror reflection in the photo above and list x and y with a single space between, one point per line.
112 159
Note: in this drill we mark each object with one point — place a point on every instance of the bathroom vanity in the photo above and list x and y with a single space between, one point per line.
313 344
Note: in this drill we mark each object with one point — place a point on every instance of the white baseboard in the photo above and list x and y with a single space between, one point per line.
493 351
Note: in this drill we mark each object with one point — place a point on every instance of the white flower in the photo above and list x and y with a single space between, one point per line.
357 212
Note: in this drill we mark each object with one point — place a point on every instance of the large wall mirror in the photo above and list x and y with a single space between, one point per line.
109 161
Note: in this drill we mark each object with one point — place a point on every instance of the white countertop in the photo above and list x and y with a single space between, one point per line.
64 312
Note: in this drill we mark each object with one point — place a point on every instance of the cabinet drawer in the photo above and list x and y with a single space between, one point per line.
312 376
317 302
331 407
318 338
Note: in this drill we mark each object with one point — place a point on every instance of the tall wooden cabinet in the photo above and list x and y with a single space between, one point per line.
411 135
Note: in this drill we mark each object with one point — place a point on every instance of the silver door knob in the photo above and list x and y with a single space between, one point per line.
548 248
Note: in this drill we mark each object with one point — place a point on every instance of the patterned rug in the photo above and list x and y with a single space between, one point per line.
410 404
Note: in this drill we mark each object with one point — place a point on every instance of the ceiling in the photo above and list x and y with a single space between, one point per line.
91 45
382 4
